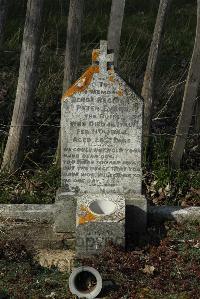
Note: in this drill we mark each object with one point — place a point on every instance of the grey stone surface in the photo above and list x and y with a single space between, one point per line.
97 224
41 213
93 237
101 132
18 223
178 214
65 215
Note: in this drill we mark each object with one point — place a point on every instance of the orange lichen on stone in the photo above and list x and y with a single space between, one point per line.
87 215
83 208
81 84
95 54
111 78
120 92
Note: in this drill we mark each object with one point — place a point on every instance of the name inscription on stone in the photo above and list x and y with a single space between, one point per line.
101 138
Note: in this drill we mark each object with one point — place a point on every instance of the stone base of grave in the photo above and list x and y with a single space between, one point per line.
100 218
136 214
65 215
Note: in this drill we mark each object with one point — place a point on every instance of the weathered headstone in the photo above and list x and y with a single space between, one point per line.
101 145
101 132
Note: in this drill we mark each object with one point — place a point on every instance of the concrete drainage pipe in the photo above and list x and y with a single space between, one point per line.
85 282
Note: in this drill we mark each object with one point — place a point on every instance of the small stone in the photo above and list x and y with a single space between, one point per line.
61 259
52 295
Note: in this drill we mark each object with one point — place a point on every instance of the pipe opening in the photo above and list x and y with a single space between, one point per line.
85 282
102 207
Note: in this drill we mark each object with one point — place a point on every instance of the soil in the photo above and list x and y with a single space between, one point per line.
164 263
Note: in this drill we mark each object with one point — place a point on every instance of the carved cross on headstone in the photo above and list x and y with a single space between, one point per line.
105 60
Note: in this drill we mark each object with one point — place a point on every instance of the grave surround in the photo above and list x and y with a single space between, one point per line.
31 224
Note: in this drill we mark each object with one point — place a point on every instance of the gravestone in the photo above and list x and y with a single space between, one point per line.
101 145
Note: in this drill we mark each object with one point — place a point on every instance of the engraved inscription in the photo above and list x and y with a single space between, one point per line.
101 138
